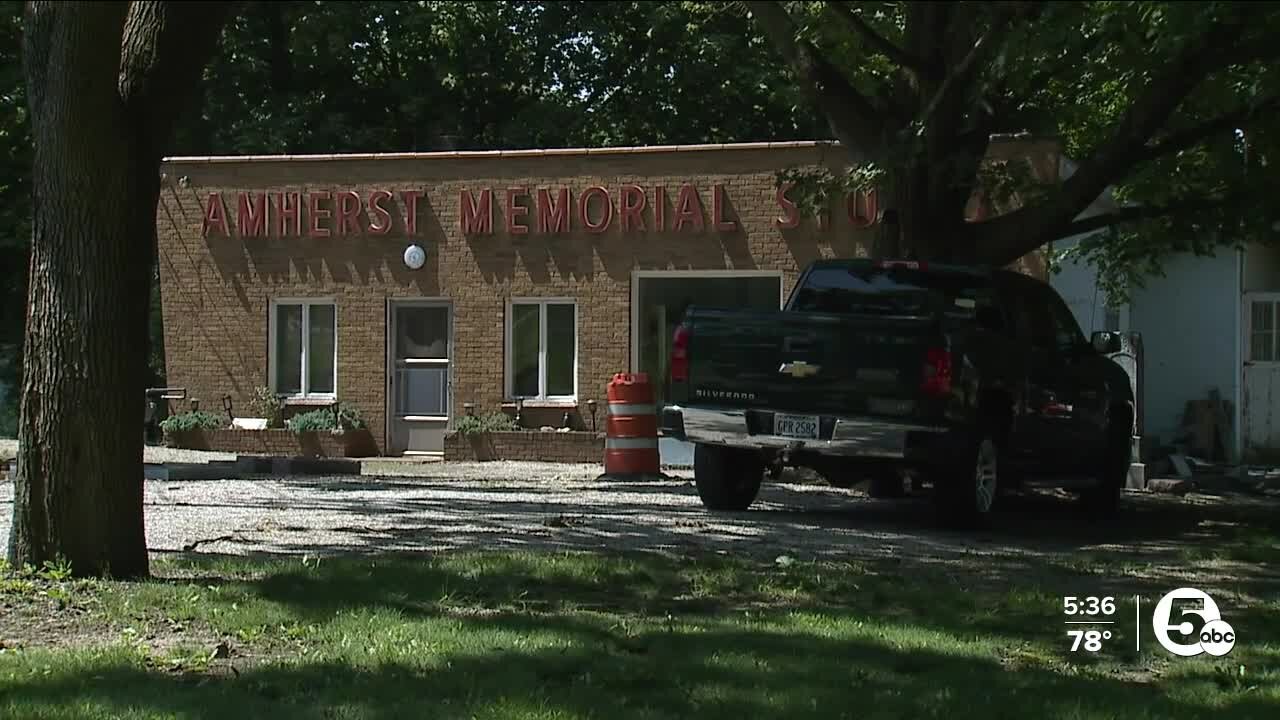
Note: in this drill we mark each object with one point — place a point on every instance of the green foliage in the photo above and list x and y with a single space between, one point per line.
391 76
191 420
9 416
1075 72
55 570
489 422
348 418
813 188
266 404
15 201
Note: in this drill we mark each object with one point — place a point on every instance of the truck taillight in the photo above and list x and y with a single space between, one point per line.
937 372
680 354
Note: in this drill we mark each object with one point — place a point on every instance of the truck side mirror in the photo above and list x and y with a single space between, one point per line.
1105 343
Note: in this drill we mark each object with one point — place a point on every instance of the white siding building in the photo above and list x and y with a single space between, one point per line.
1209 323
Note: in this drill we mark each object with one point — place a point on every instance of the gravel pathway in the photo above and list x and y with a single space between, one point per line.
549 506
151 454
436 506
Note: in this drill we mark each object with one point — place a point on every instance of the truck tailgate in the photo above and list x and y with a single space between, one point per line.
851 365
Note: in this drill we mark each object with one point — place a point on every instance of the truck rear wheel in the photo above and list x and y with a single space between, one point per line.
1112 473
967 497
727 478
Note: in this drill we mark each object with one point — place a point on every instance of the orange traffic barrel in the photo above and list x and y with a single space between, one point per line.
631 428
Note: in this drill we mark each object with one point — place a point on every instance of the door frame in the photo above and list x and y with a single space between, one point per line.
389 360
637 275
1245 350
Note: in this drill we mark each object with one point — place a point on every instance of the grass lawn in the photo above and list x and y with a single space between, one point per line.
505 635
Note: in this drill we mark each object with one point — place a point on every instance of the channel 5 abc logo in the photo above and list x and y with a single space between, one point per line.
1216 636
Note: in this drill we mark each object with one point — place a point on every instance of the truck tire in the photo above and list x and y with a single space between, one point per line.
726 478
966 497
1112 473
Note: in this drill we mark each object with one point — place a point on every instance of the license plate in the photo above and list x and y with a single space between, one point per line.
796 426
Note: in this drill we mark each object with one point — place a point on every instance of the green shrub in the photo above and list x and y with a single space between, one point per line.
193 420
349 418
265 404
492 422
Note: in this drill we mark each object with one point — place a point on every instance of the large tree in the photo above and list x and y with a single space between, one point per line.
105 81
1153 100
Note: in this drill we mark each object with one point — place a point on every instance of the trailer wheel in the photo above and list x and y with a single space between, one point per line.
727 478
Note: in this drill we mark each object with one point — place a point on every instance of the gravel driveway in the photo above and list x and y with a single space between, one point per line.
560 507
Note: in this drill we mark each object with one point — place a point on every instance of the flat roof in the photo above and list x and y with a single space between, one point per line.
550 152
536 152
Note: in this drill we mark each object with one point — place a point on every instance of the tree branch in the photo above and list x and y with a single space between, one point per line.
884 45
165 47
1192 136
1004 239
854 119
960 78
1121 216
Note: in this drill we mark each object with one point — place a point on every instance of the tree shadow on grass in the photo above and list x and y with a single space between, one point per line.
635 635
576 669
1023 606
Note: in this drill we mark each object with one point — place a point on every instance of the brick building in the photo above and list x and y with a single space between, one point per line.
408 285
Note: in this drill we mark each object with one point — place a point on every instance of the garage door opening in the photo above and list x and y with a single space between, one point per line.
659 300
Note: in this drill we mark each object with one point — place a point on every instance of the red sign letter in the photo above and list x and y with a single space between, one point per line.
584 217
659 208
315 214
251 220
870 202
411 210
288 205
688 208
717 211
215 215
348 213
514 211
553 215
383 225
632 204
477 219
793 215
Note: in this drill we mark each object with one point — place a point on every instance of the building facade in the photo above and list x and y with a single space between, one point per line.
412 286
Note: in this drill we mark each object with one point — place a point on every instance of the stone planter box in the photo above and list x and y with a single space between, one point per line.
280 442
529 445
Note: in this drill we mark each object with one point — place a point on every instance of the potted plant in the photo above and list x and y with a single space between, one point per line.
267 411
478 430
344 424
186 430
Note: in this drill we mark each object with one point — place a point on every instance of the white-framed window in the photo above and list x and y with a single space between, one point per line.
303 354
1263 330
542 349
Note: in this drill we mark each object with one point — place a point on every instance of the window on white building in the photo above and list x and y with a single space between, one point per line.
542 350
304 348
1262 331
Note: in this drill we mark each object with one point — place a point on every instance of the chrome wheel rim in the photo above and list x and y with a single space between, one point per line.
984 476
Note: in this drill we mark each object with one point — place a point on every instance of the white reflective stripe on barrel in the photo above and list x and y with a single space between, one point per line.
630 443
630 409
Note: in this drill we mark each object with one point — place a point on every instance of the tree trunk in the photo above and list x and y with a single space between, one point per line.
921 222
97 131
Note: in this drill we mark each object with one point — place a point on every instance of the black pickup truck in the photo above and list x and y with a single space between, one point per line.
971 380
